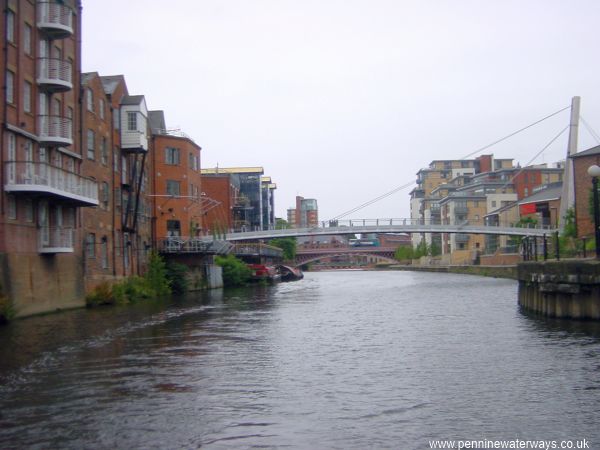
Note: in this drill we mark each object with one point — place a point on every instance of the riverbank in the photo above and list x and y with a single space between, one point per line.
508 271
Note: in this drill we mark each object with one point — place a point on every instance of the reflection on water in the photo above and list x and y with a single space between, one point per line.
337 360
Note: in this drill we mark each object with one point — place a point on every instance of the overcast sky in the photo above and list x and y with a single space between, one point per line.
344 100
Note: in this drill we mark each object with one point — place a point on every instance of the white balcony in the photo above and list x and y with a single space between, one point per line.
55 19
55 130
134 141
55 240
54 75
43 179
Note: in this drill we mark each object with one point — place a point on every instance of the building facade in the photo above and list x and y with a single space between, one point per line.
43 188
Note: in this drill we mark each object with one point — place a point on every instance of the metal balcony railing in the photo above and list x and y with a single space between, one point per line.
54 74
36 177
55 239
55 130
55 19
459 209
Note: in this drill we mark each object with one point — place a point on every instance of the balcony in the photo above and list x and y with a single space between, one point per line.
55 19
55 240
44 179
134 141
460 209
55 130
54 75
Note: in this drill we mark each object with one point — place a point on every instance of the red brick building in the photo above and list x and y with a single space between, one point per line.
583 189
43 190
177 186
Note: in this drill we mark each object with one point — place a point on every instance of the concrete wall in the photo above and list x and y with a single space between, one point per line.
565 289
42 284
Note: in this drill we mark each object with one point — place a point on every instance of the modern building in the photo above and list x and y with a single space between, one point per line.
305 214
43 188
253 208
177 199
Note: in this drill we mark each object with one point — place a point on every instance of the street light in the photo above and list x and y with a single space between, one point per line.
594 172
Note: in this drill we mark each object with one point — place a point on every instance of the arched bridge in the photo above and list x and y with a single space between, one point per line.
367 226
306 255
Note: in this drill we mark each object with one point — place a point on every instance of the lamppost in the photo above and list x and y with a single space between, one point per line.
594 172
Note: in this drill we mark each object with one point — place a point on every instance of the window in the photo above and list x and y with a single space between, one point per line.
91 145
12 207
116 160
116 119
10 26
27 88
89 98
118 196
193 161
117 244
132 121
10 87
90 245
105 196
173 187
27 32
29 210
101 108
103 151
493 203
104 252
172 156
526 192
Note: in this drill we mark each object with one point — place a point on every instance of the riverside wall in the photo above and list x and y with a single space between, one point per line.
561 289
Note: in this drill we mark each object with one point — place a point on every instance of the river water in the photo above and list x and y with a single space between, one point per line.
338 360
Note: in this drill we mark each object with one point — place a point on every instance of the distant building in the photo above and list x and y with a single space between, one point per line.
253 208
305 214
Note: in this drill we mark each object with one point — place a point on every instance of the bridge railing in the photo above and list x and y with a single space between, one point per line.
417 222
184 244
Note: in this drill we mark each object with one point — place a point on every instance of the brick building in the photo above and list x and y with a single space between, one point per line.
177 200
583 189
43 188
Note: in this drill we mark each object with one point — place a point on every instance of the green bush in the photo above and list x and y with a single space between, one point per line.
177 277
287 244
157 283
7 311
235 272
101 295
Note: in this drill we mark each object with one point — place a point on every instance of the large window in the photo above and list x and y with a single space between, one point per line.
101 108
10 26
103 151
27 88
10 87
104 252
27 33
173 187
91 144
132 121
172 156
90 245
89 98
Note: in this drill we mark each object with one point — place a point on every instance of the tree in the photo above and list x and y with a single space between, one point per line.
287 244
156 277
235 272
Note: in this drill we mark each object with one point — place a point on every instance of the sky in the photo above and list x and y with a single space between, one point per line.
345 100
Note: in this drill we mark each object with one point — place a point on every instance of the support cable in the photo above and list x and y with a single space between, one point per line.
404 186
590 130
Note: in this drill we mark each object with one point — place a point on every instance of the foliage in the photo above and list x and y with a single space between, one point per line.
7 311
570 230
101 295
408 252
287 244
235 272
281 224
177 276
157 282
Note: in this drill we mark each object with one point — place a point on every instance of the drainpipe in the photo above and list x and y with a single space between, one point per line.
112 184
5 106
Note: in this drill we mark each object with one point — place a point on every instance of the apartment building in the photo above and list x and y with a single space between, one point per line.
254 207
43 188
305 214
177 199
